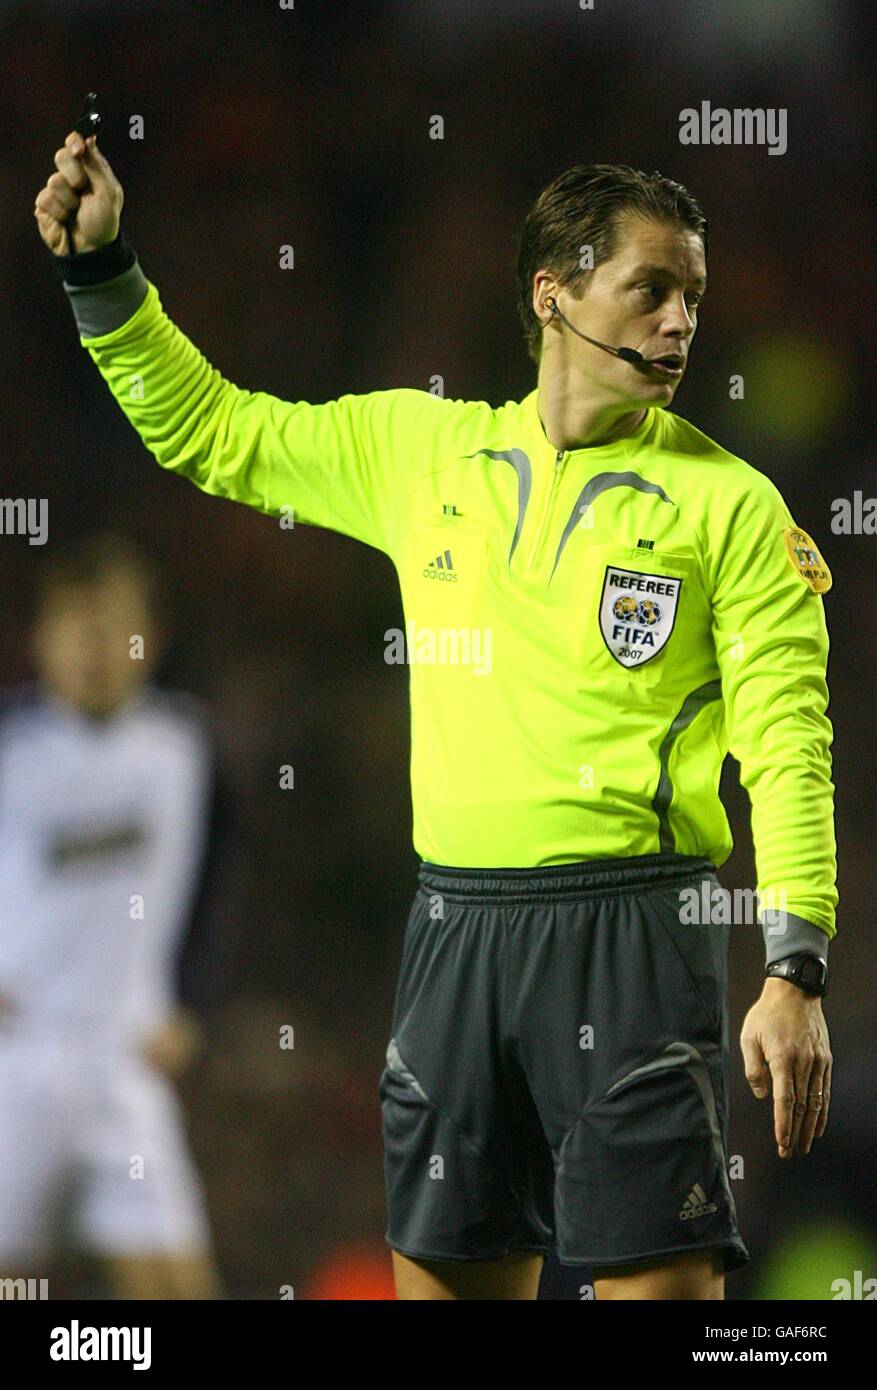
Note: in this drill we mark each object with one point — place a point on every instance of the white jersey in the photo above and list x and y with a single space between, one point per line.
103 835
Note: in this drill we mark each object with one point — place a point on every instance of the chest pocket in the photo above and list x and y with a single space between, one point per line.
633 601
444 569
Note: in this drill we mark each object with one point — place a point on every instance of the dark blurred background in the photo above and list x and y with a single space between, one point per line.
311 127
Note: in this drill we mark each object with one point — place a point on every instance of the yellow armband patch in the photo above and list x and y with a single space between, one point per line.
806 560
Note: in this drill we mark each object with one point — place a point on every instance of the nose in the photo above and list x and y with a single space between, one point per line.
678 320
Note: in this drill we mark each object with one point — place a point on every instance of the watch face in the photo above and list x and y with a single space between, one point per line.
811 973
806 972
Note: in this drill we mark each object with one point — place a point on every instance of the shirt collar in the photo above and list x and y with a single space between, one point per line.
542 449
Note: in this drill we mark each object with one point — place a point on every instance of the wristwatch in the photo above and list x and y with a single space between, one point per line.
807 972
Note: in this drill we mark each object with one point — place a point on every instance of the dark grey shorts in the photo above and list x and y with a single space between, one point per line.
558 1067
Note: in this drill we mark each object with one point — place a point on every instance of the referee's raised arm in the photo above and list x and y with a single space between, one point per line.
340 465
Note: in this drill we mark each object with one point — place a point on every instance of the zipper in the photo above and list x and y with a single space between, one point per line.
556 473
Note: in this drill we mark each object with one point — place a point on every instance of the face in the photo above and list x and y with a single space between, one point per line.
645 297
81 642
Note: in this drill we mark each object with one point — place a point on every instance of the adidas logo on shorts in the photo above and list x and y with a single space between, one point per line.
696 1204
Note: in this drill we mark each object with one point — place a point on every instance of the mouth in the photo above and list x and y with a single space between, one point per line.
673 365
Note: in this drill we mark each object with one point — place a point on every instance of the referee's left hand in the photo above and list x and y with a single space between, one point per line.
785 1040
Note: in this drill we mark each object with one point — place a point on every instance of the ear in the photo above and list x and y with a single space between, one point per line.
545 288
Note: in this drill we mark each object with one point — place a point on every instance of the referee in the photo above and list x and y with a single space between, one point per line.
600 602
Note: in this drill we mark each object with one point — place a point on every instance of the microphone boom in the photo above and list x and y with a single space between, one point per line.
625 353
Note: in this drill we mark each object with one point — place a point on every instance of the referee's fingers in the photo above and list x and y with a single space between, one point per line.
67 164
805 1065
782 1072
97 167
60 190
826 1097
815 1100
756 1068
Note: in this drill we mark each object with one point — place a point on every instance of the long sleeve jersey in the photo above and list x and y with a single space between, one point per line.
588 631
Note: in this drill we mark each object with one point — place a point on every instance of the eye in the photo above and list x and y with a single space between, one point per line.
658 292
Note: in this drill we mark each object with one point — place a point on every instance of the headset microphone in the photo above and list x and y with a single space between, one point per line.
626 354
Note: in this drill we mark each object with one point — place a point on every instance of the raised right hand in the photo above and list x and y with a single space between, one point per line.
86 186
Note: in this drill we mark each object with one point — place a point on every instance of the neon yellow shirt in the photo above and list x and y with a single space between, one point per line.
589 632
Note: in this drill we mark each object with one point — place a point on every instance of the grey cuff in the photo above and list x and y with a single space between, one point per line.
787 935
102 308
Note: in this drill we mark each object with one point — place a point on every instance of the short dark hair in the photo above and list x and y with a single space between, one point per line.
92 558
581 207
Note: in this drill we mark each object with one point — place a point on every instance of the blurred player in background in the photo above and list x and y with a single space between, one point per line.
112 816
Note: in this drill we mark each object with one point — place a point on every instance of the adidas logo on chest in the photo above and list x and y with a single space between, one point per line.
441 568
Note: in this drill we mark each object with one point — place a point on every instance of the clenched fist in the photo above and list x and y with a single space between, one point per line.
85 187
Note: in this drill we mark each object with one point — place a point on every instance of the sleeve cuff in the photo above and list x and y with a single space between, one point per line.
788 935
91 267
105 287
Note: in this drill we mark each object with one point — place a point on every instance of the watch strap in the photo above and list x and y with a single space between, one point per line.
809 973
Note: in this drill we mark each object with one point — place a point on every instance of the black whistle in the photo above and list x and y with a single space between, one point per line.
89 123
